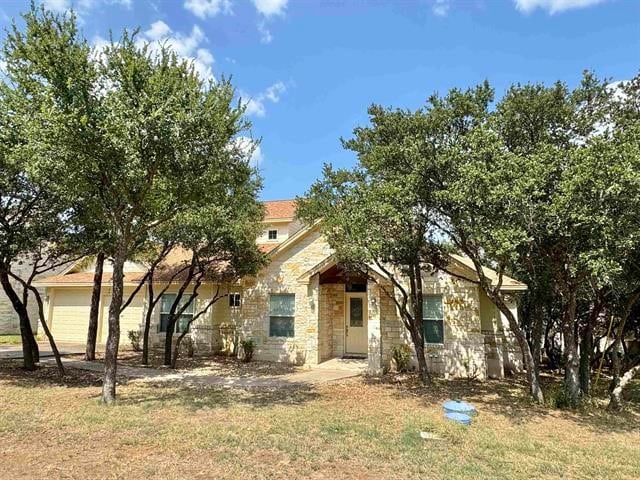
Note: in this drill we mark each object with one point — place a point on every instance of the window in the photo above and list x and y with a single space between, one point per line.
433 319
273 234
165 307
234 300
282 315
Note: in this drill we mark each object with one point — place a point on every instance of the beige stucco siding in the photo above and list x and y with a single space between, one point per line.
131 317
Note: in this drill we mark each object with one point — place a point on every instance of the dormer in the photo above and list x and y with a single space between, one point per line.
279 222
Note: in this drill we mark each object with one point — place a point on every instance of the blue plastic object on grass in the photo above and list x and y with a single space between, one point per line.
458 406
459 418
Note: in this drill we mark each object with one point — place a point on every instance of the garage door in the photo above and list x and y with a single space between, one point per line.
70 316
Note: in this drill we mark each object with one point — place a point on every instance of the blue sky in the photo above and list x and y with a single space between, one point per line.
309 69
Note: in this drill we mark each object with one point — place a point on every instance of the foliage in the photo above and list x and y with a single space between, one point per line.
248 346
189 346
401 355
134 338
133 138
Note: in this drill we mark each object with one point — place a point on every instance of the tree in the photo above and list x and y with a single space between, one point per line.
376 217
28 210
43 259
132 136
479 192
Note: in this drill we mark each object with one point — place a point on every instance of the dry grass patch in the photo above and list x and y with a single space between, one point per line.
355 429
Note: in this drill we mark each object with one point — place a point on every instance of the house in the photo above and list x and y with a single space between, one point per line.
303 308
9 321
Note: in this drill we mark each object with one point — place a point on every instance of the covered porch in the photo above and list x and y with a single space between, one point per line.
348 317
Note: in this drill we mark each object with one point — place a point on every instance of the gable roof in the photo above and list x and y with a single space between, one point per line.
508 283
279 209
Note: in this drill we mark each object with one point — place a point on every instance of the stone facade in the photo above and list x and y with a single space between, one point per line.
477 342
281 276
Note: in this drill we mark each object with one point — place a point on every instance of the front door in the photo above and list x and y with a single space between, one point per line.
356 324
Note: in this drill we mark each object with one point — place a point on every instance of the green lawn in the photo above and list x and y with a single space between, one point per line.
356 429
10 340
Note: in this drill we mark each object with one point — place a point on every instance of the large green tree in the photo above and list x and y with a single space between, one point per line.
132 136
377 217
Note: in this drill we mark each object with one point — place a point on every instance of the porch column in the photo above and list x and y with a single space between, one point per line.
313 320
374 330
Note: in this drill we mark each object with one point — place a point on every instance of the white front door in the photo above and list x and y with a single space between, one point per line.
356 324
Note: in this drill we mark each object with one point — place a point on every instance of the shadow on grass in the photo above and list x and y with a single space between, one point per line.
508 397
215 364
12 372
199 397
186 393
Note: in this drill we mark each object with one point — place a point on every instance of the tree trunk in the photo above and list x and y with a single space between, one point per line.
168 343
417 335
147 322
30 353
113 339
618 383
586 350
535 390
92 332
536 335
423 370
47 332
571 361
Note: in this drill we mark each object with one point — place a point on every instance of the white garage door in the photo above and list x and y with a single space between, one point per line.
70 316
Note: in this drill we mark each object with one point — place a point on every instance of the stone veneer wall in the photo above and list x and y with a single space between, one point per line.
331 321
463 351
281 276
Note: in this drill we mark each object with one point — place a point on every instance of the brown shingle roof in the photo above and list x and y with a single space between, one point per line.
86 278
276 209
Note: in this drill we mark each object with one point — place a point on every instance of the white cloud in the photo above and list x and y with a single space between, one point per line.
271 7
188 47
208 8
273 92
81 7
256 105
158 30
58 6
185 46
440 8
265 33
553 6
249 146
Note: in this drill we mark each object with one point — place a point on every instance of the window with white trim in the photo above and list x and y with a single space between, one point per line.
272 234
182 324
282 309
433 319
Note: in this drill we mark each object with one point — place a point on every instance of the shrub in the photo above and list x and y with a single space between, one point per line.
558 398
401 355
188 346
134 338
248 346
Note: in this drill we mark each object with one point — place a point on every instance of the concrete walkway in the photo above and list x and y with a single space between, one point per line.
15 351
201 377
